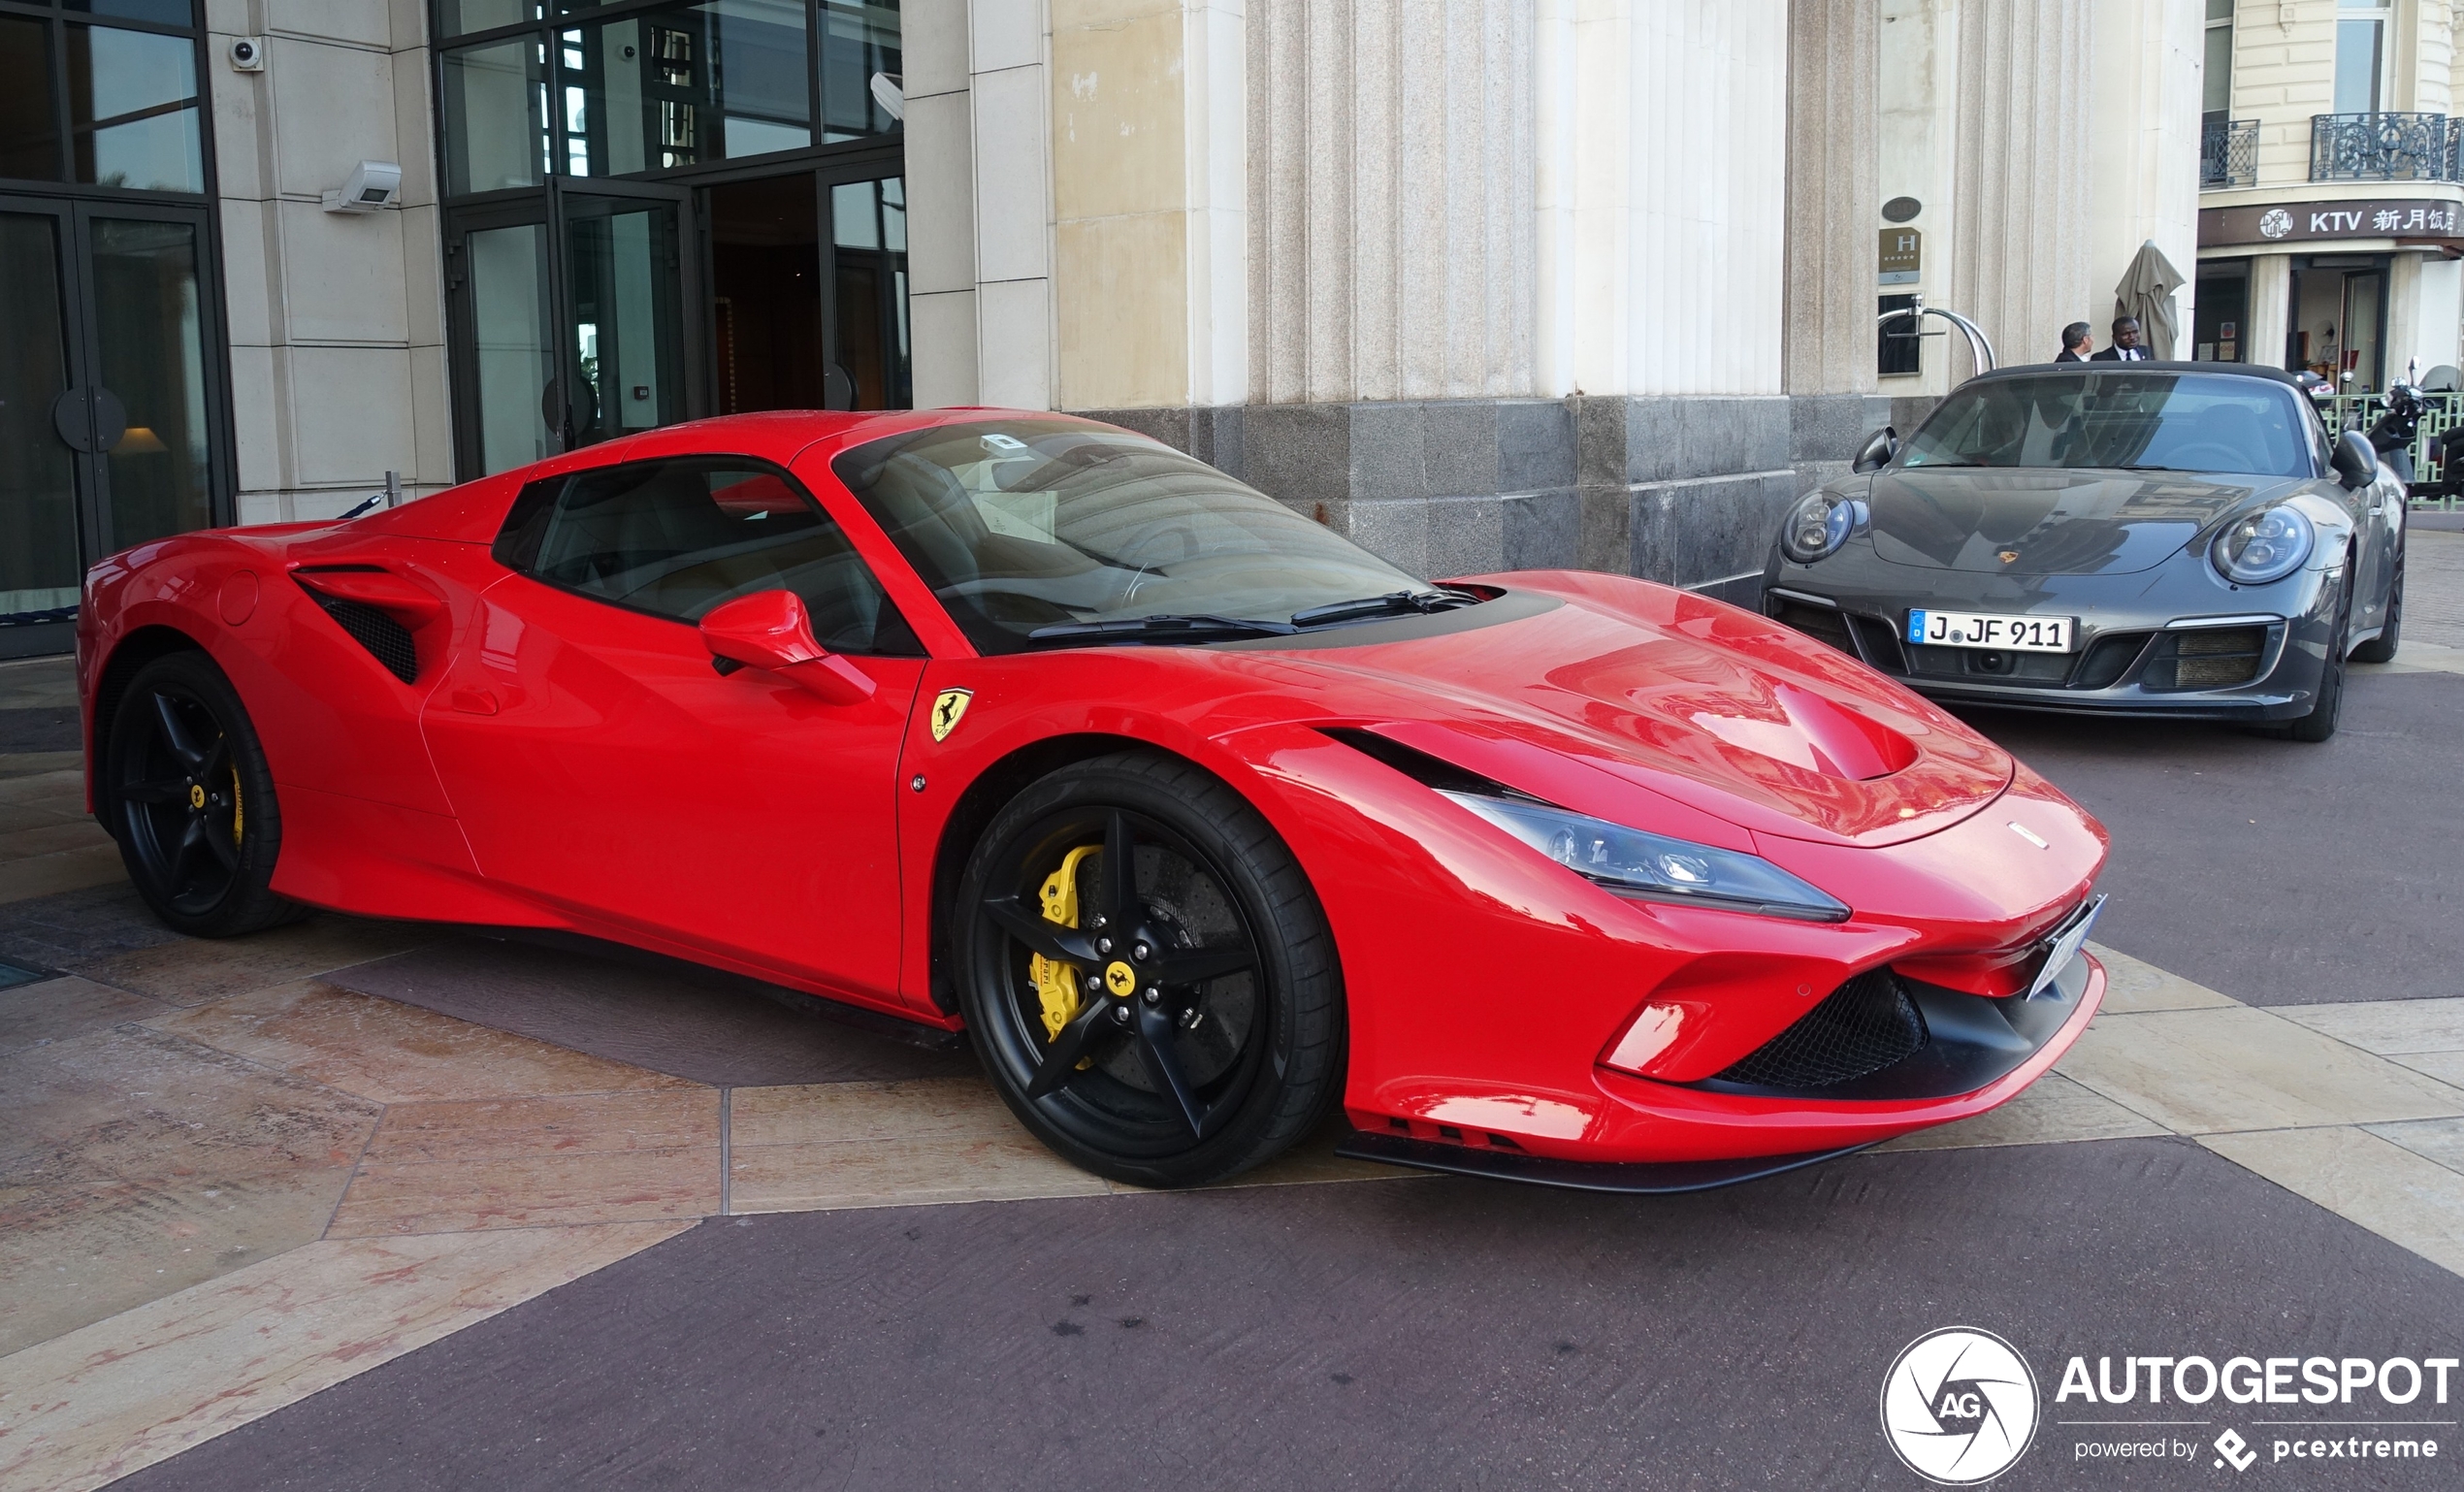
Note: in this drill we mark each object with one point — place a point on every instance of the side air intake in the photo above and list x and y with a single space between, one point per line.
1862 1028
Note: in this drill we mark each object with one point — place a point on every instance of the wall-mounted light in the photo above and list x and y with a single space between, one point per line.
372 186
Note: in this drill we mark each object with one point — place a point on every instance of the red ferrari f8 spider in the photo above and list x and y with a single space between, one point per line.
1200 819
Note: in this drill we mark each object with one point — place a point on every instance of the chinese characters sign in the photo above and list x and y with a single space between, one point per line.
2291 222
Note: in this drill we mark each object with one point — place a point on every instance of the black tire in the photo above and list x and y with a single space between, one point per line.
2320 722
2380 649
187 791
1251 1047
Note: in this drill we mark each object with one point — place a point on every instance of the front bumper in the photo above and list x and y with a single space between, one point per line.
2142 648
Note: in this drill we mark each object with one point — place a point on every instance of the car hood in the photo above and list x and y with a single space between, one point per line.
2050 522
1618 696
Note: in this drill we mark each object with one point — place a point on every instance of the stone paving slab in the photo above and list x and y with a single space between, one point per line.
92 1405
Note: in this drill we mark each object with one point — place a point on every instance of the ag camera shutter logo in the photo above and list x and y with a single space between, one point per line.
1958 1406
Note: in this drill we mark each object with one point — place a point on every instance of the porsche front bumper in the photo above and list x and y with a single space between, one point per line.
2155 645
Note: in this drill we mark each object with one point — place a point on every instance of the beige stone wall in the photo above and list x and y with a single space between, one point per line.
2146 58
2284 72
1390 199
1834 119
2020 260
336 320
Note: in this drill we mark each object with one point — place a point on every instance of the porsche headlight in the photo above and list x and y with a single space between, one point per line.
1817 525
2263 546
1653 867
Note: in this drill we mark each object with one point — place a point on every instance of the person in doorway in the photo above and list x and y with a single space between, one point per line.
2075 343
2125 346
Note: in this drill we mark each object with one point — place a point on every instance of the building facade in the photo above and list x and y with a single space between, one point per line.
2330 161
1482 284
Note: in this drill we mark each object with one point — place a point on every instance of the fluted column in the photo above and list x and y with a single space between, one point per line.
1834 138
2019 248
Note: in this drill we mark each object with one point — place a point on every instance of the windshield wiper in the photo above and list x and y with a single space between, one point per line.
1392 604
1166 627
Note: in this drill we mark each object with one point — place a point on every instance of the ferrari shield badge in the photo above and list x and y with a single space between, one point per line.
948 707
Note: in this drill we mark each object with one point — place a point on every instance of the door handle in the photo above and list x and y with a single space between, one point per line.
89 420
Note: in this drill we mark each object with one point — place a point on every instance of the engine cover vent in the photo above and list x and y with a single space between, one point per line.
386 639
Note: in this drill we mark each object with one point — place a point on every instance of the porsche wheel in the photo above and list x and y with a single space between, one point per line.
2320 722
190 798
2380 649
1146 974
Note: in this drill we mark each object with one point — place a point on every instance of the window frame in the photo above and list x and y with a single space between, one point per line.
540 496
58 17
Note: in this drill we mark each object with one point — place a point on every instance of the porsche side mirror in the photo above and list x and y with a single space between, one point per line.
769 630
2354 459
1878 449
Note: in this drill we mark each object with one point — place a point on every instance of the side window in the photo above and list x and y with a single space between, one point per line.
677 537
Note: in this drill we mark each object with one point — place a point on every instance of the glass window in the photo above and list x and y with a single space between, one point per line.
496 117
1020 525
681 88
133 110
2163 422
512 331
868 229
150 341
38 566
29 126
169 13
2217 79
859 68
2361 29
678 538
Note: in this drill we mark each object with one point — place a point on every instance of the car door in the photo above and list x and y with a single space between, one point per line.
601 765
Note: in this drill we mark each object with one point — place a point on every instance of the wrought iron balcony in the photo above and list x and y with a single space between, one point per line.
2228 154
2382 148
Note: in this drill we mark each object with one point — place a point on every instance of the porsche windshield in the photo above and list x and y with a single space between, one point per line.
2136 421
1048 533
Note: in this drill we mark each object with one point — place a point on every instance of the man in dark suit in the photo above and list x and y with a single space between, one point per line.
2075 343
2125 346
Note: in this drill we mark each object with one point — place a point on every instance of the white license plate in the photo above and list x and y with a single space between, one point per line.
2010 633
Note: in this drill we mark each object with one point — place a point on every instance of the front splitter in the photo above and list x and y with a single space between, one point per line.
1642 1177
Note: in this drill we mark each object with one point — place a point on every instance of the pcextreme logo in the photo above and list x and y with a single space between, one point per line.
1958 1406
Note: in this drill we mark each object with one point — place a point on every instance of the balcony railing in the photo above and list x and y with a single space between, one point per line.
2382 148
2228 154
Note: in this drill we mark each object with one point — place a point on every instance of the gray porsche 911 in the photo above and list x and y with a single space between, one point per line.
2153 539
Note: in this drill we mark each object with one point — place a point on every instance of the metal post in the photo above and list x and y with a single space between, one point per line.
393 489
1980 347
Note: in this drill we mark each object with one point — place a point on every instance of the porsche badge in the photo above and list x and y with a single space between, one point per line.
2008 557
948 707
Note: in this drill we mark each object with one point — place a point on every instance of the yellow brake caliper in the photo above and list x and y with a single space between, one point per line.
1057 983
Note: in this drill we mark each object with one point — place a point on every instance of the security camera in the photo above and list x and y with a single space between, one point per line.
371 187
247 54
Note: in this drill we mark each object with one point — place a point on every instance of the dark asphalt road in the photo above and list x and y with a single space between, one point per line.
1460 1334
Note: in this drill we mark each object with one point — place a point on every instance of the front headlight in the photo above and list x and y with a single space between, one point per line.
2266 545
1817 525
1653 867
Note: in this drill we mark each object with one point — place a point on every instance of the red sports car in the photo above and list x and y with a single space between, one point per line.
1198 818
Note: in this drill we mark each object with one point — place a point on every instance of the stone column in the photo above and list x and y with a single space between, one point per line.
1828 289
2020 169
1834 131
2270 314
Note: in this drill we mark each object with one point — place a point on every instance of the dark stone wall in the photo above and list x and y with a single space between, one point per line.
1687 491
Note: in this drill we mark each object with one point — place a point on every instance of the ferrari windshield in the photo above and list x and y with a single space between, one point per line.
1051 532
2135 421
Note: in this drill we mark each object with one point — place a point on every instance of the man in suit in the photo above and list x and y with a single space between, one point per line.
2125 346
2075 342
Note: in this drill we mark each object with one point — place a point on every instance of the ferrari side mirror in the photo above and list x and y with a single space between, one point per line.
769 629
1878 449
2354 462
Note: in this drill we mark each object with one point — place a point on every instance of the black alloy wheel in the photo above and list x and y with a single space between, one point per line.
2380 649
1148 977
2320 722
187 794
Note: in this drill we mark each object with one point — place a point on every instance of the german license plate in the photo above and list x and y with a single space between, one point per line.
2010 633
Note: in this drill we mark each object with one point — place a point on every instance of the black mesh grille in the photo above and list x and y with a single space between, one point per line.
1818 623
1882 644
2207 658
1861 1028
2108 660
386 639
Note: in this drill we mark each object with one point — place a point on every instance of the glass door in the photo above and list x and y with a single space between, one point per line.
623 326
505 361
40 384
108 397
869 341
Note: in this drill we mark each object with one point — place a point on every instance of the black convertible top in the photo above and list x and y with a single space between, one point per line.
2145 365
